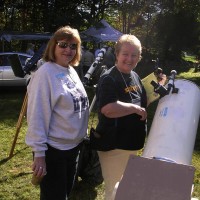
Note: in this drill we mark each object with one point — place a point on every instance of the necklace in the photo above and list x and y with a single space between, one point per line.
136 100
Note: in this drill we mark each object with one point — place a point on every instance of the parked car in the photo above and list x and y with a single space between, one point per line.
7 76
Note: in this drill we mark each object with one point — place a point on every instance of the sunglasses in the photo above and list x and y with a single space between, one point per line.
64 45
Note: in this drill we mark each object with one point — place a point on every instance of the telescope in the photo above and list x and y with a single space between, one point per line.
164 170
30 65
96 69
162 90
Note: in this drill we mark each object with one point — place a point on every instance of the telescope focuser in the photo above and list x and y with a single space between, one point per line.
162 90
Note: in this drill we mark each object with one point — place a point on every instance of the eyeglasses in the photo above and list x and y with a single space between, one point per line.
64 45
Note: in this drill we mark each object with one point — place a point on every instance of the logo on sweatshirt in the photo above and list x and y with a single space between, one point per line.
77 93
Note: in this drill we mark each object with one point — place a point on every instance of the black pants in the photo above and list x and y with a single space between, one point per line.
61 172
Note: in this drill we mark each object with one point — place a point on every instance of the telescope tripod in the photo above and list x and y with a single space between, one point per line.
19 123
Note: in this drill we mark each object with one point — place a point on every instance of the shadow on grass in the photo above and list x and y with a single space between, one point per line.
21 174
4 160
84 190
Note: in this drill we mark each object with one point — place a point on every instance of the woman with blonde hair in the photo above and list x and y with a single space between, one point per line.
121 101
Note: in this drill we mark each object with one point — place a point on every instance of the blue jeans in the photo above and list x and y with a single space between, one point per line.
61 172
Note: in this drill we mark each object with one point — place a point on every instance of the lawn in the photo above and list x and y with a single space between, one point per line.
15 173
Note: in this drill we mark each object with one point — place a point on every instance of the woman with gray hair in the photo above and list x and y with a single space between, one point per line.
121 102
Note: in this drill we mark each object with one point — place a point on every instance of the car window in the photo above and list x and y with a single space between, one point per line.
4 60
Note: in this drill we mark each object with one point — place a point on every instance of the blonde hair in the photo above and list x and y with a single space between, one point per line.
62 33
130 39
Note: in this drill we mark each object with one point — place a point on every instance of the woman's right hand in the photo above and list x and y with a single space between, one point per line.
39 166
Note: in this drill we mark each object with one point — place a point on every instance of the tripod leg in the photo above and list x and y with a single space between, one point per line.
92 104
19 123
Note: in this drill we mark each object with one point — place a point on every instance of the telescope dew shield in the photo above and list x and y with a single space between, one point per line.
91 70
173 131
16 65
97 61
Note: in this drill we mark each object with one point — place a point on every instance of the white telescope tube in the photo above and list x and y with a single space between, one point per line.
98 59
173 131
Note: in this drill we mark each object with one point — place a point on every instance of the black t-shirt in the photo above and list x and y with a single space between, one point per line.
112 86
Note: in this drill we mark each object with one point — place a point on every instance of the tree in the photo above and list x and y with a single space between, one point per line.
178 28
165 28
42 15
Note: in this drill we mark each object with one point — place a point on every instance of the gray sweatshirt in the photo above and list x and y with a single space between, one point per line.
58 109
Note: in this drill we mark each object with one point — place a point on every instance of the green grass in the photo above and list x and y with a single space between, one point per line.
15 173
190 58
190 75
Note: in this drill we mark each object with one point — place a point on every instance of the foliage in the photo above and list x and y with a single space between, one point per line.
47 16
165 28
173 44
